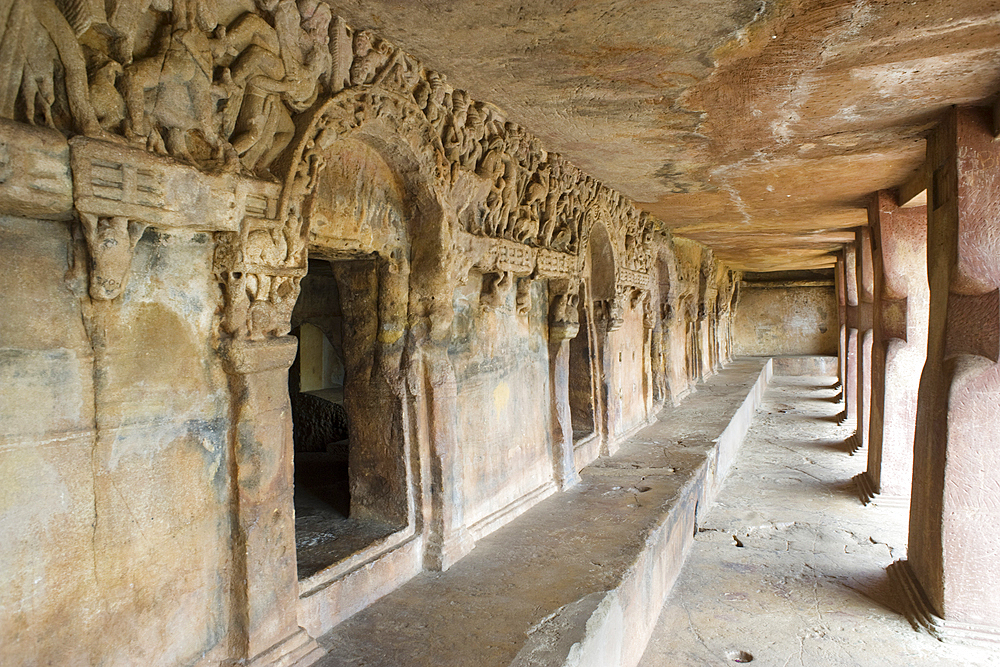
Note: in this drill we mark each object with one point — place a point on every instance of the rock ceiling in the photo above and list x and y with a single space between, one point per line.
759 127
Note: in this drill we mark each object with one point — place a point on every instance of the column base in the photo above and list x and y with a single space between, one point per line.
298 650
866 489
922 616
439 558
854 444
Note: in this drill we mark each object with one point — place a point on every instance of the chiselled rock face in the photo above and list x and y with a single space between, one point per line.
759 128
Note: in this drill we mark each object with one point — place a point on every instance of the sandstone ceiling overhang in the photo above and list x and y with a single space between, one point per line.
758 127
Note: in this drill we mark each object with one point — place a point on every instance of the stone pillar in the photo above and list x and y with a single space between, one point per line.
863 323
850 415
564 325
608 318
899 247
950 575
839 286
448 539
648 333
705 369
265 580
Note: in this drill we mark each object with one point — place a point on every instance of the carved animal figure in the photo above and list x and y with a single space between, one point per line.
109 106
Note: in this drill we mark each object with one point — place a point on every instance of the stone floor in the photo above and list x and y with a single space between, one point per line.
788 567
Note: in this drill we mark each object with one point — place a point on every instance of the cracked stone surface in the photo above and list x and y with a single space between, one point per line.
788 566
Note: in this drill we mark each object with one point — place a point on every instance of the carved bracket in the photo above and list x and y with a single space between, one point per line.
564 313
894 319
611 312
973 325
495 286
111 242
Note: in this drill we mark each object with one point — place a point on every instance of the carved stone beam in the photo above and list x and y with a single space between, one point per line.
35 177
894 319
110 180
973 325
118 191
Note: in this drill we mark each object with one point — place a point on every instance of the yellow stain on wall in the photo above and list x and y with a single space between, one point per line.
500 396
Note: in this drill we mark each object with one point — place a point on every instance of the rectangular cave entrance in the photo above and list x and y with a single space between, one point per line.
581 379
334 406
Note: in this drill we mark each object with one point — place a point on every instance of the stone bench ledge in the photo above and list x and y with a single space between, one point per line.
580 578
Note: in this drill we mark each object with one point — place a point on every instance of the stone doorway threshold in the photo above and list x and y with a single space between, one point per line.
580 578
789 568
324 535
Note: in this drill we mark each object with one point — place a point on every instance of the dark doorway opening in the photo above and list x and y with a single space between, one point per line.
581 378
327 528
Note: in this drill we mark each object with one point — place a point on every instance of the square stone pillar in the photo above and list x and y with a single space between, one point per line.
863 324
838 280
899 248
850 415
952 567
265 580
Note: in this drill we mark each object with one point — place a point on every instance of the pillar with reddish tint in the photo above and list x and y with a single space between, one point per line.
899 347
838 274
863 323
952 571
851 352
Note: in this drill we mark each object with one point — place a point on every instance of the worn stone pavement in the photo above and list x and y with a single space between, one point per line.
788 567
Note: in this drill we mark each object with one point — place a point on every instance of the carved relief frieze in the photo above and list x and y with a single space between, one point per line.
231 96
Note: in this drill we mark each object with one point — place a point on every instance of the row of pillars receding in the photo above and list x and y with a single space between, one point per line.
919 371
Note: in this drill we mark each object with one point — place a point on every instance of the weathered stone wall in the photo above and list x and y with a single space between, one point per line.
786 320
115 454
625 385
501 368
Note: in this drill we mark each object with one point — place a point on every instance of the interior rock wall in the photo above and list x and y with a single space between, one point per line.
786 320
115 454
501 367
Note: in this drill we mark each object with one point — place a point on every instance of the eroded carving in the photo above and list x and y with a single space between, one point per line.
111 242
564 312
